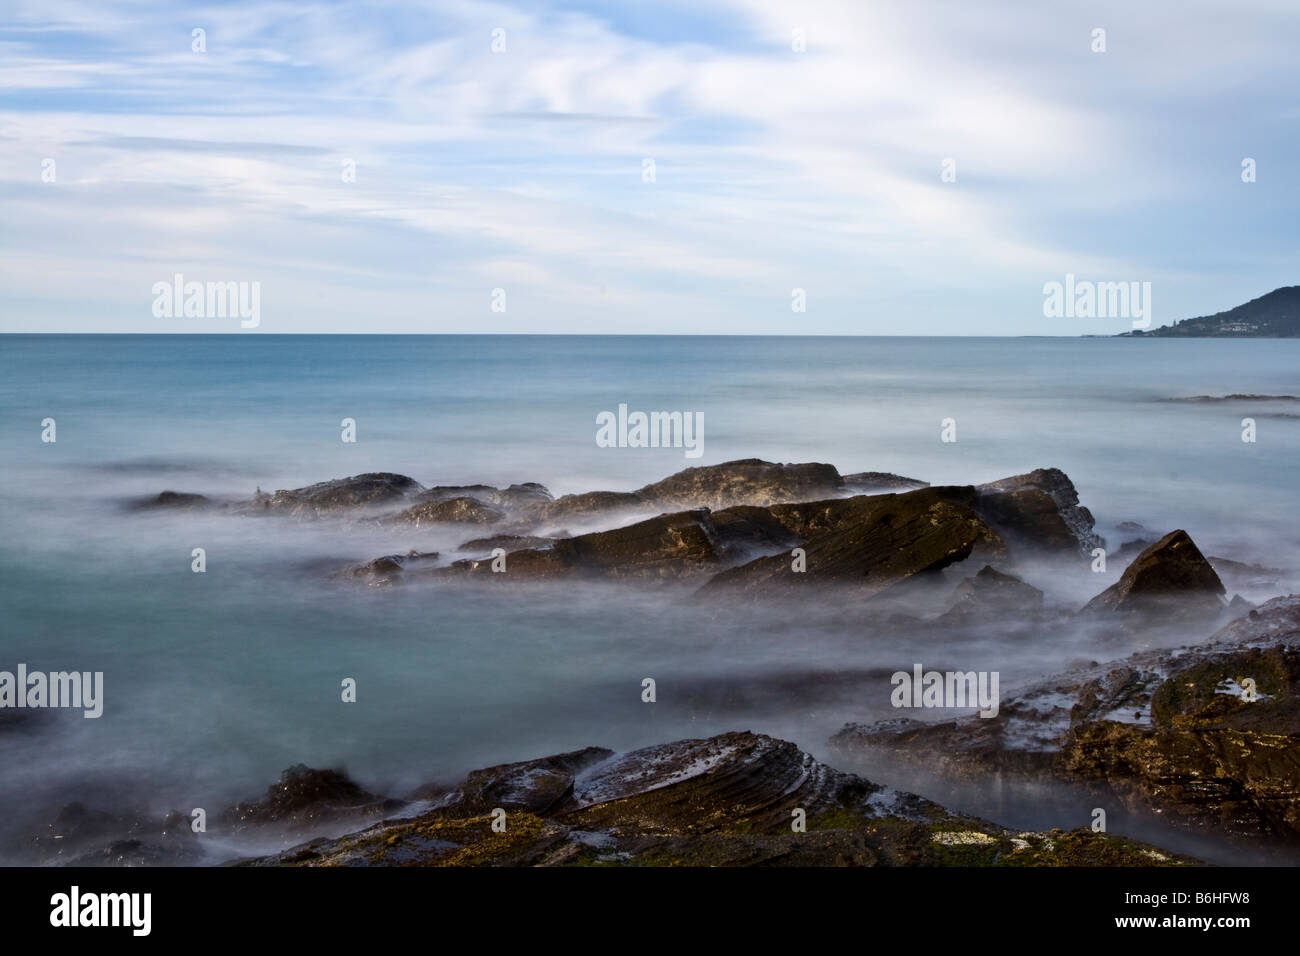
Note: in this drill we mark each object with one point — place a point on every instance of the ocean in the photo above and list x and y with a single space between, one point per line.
216 682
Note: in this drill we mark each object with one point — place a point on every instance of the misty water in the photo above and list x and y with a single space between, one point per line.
216 682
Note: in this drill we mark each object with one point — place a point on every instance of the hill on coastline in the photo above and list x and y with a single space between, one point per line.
1272 316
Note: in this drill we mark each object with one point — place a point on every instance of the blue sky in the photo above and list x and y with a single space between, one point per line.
522 170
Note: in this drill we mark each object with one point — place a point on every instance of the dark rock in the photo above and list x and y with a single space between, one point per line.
1056 484
888 539
1239 574
341 494
1207 736
534 785
748 481
515 497
590 504
992 594
873 482
387 571
1171 578
450 511
667 546
510 542
172 499
1131 549
81 836
304 796
727 800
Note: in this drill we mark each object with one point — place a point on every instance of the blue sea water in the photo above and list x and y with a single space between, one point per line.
216 682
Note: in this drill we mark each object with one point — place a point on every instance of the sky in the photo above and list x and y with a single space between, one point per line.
660 167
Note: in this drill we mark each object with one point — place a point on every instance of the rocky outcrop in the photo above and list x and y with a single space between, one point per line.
667 546
514 498
340 495
591 504
1206 736
868 545
749 481
729 800
461 510
1170 579
1056 485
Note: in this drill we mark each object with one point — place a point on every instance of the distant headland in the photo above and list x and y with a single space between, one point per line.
1272 316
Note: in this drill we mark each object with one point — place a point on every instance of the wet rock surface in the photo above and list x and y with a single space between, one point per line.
728 800
1207 736
304 796
83 836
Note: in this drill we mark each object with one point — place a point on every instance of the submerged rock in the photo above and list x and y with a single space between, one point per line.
304 796
729 800
172 499
992 594
387 571
81 836
510 542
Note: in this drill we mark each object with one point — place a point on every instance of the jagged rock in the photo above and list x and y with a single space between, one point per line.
990 594
462 510
874 482
341 494
748 481
1171 578
874 543
727 800
1058 486
304 796
1175 731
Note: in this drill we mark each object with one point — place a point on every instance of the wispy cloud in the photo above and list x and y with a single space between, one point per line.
525 169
